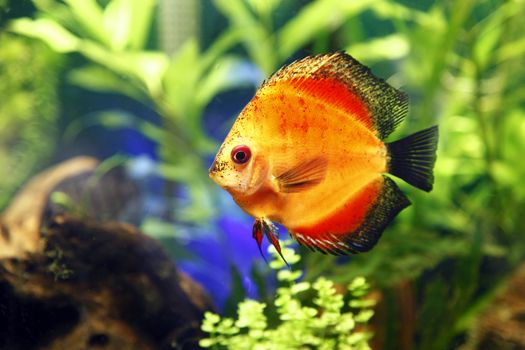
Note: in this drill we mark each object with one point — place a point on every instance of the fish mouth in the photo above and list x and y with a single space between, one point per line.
213 169
218 167
216 172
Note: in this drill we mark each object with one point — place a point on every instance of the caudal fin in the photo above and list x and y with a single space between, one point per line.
412 158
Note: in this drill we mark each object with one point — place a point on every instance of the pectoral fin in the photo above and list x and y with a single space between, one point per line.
303 175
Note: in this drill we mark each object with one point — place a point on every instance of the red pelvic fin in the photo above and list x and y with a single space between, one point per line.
258 235
266 227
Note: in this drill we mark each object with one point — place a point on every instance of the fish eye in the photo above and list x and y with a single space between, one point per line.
241 154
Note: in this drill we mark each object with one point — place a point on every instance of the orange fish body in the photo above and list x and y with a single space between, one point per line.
308 152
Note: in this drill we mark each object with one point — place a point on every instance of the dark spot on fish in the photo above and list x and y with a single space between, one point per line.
218 167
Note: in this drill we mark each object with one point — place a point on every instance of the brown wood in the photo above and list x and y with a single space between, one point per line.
20 222
77 283
502 324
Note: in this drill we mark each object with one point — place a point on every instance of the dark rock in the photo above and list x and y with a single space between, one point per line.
85 284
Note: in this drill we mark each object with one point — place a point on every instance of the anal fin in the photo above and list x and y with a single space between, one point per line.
365 219
389 203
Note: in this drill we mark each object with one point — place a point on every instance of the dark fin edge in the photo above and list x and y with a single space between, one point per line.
389 203
388 106
413 157
323 245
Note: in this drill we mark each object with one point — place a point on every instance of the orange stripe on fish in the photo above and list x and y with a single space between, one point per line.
330 91
308 151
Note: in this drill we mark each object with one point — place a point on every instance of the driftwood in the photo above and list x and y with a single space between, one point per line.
20 222
79 283
502 324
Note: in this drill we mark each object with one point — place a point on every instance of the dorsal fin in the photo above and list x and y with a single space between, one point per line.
343 81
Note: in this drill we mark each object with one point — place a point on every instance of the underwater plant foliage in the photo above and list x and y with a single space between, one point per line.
461 62
113 39
330 319
29 110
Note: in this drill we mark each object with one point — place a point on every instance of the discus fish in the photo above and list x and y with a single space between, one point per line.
308 152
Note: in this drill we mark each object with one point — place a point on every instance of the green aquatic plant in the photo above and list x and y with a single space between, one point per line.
28 110
461 63
114 40
303 314
270 40
467 77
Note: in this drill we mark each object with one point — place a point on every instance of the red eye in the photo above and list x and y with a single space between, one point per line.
241 154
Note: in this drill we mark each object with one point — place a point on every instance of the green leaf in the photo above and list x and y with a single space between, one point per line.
158 229
251 315
59 12
101 55
181 78
257 39
118 23
362 303
514 49
64 200
390 47
206 343
100 79
346 323
143 12
114 119
223 43
220 78
146 67
489 35
263 8
52 33
313 18
128 23
89 16
300 287
364 316
288 275
392 10
150 67
110 119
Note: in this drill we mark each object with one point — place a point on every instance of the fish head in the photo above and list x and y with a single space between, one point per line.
238 167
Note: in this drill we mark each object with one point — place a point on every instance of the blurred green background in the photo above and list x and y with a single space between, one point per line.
169 76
